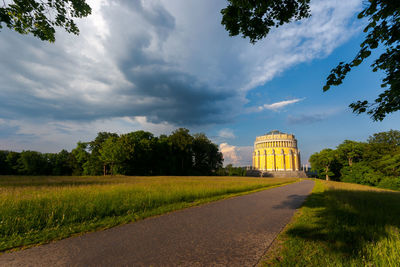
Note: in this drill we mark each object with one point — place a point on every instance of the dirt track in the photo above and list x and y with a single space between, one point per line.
232 232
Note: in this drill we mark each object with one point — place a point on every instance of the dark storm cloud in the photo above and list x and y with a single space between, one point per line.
40 80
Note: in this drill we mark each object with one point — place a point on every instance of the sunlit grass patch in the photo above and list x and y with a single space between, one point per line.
39 209
342 224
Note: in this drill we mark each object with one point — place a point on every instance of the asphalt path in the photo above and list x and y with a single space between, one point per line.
231 232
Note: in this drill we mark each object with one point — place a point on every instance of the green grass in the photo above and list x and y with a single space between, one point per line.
341 224
36 210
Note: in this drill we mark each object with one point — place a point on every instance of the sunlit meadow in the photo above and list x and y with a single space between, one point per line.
35 210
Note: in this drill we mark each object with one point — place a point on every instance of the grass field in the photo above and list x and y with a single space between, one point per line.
35 210
341 224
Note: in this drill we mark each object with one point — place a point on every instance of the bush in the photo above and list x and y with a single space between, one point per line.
360 173
390 183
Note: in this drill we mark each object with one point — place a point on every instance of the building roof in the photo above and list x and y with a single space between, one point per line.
274 132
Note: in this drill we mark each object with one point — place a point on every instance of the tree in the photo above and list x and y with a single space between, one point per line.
206 157
380 144
254 19
5 167
140 152
12 161
31 163
61 164
94 166
390 164
391 138
162 156
181 145
41 17
112 153
350 151
81 157
323 161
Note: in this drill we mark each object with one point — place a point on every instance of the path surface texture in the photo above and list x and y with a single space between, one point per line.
231 232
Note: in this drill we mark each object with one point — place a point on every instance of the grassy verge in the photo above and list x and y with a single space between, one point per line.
36 210
341 224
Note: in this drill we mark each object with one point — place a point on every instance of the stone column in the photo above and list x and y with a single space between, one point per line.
299 158
266 160
273 160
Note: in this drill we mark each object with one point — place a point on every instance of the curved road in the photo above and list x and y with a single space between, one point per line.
231 232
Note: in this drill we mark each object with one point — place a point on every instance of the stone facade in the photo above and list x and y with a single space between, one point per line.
276 174
276 152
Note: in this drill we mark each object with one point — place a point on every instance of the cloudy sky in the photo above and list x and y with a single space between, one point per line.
162 64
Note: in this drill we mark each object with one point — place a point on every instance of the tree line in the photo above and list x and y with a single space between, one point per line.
135 153
375 162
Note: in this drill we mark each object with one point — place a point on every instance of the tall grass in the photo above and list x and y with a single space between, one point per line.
342 225
38 209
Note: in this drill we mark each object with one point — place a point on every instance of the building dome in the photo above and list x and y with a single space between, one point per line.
276 151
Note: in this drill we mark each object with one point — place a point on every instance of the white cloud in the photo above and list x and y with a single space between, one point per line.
329 26
156 60
236 155
52 136
278 105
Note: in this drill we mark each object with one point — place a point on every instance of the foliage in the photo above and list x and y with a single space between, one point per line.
324 162
350 151
40 209
229 170
41 17
206 155
376 162
342 225
254 19
112 153
135 153
391 138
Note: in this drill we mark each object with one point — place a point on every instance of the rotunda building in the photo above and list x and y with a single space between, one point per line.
275 152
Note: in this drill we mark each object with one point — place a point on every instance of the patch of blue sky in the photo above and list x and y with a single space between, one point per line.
320 119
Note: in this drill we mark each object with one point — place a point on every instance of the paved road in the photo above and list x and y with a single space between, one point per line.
232 232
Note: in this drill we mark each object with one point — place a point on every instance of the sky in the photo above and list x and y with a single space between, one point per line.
158 65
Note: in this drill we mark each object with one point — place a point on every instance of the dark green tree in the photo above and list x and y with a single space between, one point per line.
162 156
182 155
323 162
140 152
12 161
233 171
350 152
80 159
112 154
390 164
375 163
391 138
61 163
94 166
255 18
41 17
206 157
32 163
5 168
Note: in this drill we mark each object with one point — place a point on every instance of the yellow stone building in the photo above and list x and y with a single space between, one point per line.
276 151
